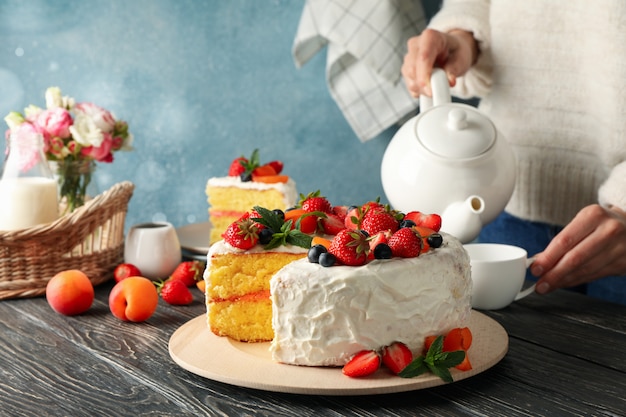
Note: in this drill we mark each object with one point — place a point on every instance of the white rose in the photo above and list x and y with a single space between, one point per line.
85 132
53 98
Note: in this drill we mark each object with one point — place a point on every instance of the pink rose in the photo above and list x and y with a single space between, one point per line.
55 122
100 153
25 140
102 118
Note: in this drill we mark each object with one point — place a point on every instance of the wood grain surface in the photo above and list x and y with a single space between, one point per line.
566 357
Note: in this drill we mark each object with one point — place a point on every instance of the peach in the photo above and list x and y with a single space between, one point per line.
70 292
133 299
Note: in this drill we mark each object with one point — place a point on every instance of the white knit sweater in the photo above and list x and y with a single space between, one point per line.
552 77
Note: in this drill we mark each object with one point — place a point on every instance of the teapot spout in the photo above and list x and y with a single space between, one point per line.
462 218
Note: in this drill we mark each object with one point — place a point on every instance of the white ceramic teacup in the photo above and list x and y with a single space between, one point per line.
154 248
498 273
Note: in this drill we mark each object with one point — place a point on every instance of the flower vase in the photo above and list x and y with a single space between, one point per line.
76 185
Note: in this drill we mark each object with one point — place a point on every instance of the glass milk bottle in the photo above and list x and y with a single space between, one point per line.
28 191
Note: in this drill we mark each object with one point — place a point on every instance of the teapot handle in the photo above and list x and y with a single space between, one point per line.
440 88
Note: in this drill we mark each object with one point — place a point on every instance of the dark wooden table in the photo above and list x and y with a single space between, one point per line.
566 357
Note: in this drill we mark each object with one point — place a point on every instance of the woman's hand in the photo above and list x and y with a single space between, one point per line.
592 246
455 52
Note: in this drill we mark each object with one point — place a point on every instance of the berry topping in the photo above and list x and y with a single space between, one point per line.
382 251
314 253
435 240
315 202
405 243
432 221
236 167
242 233
252 170
350 247
327 259
375 221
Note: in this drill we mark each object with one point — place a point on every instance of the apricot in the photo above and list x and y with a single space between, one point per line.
133 299
70 292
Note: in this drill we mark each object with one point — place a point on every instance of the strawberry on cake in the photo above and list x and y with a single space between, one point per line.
249 183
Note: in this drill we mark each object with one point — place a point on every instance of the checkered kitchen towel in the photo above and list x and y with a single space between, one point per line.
366 45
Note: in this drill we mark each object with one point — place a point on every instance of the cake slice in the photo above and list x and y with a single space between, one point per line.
239 269
248 184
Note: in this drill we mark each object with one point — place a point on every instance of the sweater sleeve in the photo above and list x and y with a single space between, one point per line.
472 16
613 191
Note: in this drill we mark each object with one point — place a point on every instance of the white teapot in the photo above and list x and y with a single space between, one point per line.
451 160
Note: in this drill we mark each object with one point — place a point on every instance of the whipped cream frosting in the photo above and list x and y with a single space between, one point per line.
288 189
323 316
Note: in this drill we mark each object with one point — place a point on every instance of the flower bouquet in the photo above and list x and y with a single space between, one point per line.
75 136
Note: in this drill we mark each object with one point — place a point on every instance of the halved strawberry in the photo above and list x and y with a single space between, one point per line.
397 356
457 339
364 363
353 218
332 224
264 170
377 239
340 211
432 221
277 165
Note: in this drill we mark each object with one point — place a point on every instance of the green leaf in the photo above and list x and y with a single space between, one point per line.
415 368
435 349
451 359
441 372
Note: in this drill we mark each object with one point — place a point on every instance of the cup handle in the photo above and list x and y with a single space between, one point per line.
530 289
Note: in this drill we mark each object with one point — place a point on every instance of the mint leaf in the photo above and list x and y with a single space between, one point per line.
283 234
415 368
436 361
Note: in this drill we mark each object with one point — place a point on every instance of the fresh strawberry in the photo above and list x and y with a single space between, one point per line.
466 365
123 271
303 220
350 247
375 221
242 233
263 170
315 202
236 167
364 363
397 356
381 237
432 221
424 232
457 339
277 165
332 224
188 272
175 292
405 243
428 341
353 219
340 211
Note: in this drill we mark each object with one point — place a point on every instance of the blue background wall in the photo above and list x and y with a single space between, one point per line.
200 83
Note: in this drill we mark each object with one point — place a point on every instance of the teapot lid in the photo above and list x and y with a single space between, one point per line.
455 131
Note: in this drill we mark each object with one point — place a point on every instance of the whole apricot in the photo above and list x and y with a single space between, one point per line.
133 299
70 292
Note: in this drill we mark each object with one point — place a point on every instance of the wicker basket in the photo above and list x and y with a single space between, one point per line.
90 239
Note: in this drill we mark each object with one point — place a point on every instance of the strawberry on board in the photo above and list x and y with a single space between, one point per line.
123 271
350 247
175 292
432 221
459 338
364 363
188 272
397 356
